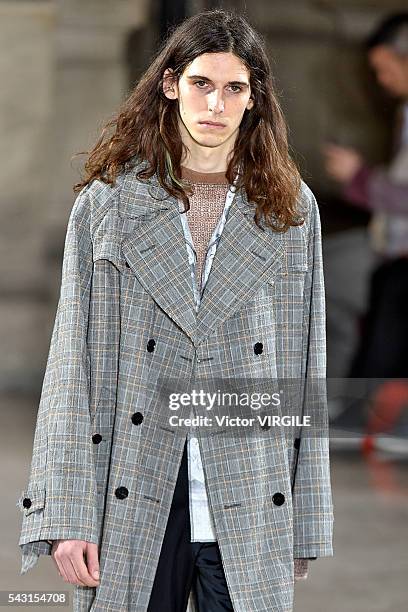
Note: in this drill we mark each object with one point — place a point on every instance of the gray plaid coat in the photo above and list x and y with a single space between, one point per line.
104 467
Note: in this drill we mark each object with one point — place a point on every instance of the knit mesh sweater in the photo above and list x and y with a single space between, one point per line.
206 206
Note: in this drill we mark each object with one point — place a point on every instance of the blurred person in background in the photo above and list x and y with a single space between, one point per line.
383 346
382 350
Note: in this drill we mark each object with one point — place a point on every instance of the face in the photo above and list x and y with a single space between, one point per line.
213 88
391 70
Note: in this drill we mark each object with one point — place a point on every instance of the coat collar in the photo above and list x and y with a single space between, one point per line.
246 257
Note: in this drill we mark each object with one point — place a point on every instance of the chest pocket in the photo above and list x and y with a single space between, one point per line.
295 257
286 293
294 266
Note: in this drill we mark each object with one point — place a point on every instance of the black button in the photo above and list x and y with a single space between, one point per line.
151 345
296 443
96 438
26 502
278 499
137 418
258 348
121 492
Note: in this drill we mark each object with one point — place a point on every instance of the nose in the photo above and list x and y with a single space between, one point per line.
215 102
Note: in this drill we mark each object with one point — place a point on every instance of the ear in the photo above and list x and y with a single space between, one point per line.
170 88
250 103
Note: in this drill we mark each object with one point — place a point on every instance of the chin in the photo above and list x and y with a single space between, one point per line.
208 141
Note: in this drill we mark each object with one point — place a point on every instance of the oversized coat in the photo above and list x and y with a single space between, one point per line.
104 467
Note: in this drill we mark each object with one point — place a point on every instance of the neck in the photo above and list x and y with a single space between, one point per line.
205 159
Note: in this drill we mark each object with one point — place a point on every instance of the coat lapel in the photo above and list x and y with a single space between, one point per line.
155 250
246 257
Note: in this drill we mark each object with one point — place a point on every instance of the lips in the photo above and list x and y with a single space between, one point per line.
212 123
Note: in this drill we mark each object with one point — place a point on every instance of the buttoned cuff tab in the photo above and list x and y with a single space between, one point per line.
31 499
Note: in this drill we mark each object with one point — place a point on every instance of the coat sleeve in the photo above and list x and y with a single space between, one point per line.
59 501
311 489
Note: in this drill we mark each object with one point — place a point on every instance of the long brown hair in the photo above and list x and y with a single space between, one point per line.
146 128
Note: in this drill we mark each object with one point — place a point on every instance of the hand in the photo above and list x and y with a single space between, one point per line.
341 163
301 567
68 556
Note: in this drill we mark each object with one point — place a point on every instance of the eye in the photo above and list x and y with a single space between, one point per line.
196 83
238 88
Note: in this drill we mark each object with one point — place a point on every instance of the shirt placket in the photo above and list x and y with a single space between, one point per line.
200 514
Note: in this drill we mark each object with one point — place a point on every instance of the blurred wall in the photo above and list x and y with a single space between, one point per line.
64 69
26 106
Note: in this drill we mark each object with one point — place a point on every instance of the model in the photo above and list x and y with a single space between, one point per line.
193 253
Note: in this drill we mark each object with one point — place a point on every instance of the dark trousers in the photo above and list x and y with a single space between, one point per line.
184 564
383 349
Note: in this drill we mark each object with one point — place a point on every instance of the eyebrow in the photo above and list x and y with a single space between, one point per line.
203 78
